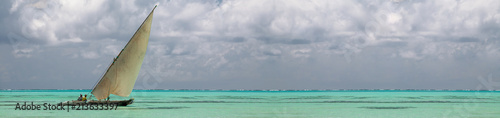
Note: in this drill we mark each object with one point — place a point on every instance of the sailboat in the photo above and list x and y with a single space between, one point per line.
120 77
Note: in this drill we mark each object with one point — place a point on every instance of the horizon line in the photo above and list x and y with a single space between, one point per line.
287 89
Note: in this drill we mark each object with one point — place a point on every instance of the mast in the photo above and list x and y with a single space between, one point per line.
121 75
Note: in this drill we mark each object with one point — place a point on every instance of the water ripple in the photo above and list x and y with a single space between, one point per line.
387 107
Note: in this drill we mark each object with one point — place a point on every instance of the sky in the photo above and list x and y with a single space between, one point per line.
255 44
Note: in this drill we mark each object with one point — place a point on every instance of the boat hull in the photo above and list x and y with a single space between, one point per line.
95 102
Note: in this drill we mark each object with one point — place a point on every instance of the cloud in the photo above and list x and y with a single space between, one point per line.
264 43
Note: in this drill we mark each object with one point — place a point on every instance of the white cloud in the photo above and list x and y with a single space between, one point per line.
193 40
15 5
22 47
300 52
89 55
410 55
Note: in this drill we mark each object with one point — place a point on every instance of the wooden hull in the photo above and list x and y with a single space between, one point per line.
116 102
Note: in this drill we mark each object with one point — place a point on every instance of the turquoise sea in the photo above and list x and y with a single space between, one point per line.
269 103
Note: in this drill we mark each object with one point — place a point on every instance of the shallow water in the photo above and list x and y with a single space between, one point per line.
219 103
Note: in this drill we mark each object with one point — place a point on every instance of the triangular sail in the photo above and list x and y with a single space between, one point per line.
121 75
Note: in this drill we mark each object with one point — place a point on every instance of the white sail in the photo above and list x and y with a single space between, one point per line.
121 75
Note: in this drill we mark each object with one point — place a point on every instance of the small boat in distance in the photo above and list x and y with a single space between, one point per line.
120 77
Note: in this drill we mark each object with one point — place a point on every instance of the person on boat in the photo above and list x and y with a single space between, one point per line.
80 98
85 98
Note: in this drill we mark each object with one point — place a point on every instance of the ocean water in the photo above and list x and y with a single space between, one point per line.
251 104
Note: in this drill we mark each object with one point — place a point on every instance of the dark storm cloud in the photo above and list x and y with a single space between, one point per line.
254 44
